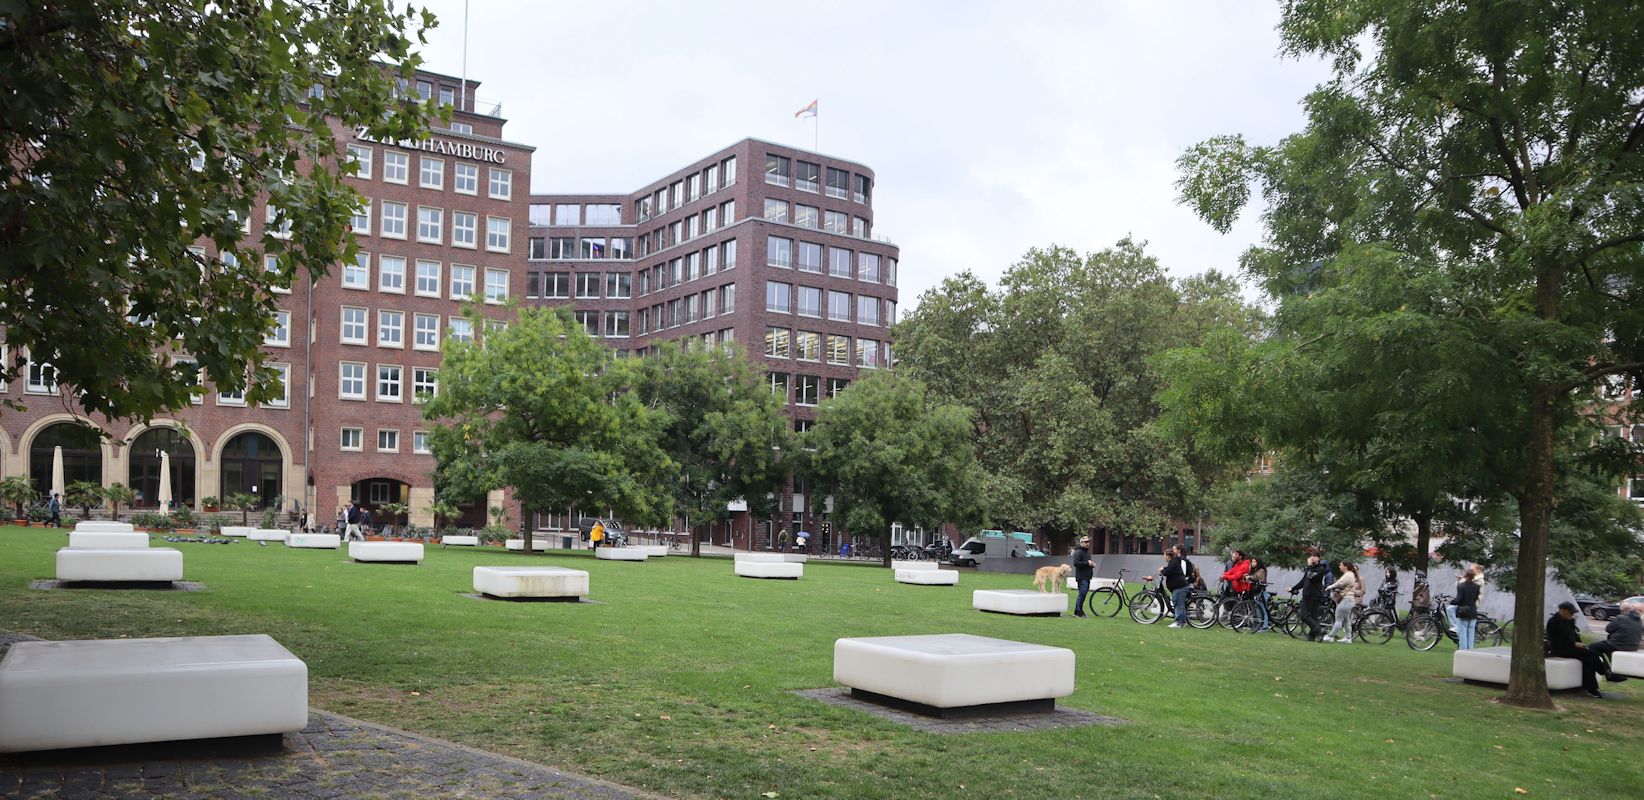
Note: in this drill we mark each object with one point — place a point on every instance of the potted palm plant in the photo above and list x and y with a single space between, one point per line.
243 503
117 495
17 490
84 495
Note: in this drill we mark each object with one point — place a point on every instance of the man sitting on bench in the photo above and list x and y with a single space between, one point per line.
1623 634
1564 641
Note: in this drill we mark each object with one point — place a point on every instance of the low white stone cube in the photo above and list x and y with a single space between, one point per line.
621 554
386 552
1492 665
1627 663
1095 583
924 565
537 543
109 565
267 535
653 550
770 569
530 582
314 541
791 558
466 541
928 577
953 670
117 540
126 691
237 531
103 526
1026 602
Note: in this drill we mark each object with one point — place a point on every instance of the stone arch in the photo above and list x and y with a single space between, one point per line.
232 477
142 469
25 443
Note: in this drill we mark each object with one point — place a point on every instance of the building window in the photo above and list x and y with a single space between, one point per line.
587 286
710 304
867 310
805 389
352 437
807 346
808 301
727 298
810 257
728 168
890 313
396 167
778 251
778 297
496 285
839 182
727 213
390 328
425 383
603 214
351 380
693 187
807 177
710 261
353 325
231 397
502 184
890 272
42 378
678 193
806 216
536 247
777 343
462 330
839 262
618 285
496 234
867 267
539 215
839 306
776 210
839 350
280 334
358 274
465 230
728 248
427 333
462 282
556 285
863 194
388 441
391 274
779 385
393 220
711 178
593 249
388 383
867 353
360 157
271 265
360 223
467 179
836 385
430 225
589 320
282 373
621 247
859 227
777 170
419 443
616 323
428 278
432 174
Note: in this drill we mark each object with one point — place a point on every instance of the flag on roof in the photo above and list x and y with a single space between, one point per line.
809 110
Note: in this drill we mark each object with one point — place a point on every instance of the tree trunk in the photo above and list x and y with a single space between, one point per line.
1424 539
696 539
1527 678
885 546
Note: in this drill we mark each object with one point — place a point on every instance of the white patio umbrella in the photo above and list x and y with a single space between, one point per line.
165 481
57 487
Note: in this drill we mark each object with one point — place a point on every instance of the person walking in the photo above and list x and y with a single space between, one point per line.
1464 612
55 506
366 522
1621 635
1564 641
352 517
1311 585
596 534
1345 592
1178 578
1082 573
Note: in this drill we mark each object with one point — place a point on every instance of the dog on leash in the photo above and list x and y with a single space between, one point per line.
1050 579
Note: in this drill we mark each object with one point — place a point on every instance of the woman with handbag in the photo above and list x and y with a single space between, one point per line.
1465 610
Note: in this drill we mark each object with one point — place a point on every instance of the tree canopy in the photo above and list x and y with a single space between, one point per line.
133 130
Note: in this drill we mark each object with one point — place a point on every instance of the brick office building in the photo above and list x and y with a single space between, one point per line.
758 244
444 220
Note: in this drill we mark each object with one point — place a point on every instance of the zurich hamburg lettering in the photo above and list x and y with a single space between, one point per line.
444 147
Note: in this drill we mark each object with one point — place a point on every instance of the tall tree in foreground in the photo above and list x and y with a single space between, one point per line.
130 130
721 427
889 453
1496 146
541 408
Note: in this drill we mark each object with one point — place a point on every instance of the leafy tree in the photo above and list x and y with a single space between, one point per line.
888 452
1284 517
117 495
542 408
106 103
443 512
1497 148
84 495
721 427
243 502
17 490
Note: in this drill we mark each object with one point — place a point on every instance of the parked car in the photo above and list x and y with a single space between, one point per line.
974 550
1604 611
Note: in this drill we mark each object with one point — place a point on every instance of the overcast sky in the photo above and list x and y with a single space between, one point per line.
992 126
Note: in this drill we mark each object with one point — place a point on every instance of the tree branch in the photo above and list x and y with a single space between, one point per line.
1581 258
1467 208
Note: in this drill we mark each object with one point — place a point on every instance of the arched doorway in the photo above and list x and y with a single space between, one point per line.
144 471
82 455
374 493
252 463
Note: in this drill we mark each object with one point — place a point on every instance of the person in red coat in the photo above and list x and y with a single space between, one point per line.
1239 574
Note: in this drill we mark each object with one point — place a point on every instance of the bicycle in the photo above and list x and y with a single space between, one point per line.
1427 627
1244 613
1106 601
1152 603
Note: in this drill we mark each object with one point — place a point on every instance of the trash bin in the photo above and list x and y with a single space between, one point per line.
565 542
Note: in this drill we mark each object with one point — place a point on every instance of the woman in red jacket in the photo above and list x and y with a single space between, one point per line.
1239 573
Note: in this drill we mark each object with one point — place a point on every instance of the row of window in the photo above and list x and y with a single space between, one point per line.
395 222
807 257
390 382
581 248
688 267
427 282
684 230
685 310
806 301
688 189
390 328
815 218
543 214
465 177
835 349
558 285
41 378
388 441
807 389
806 177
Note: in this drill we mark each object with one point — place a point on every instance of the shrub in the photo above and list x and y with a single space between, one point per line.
182 517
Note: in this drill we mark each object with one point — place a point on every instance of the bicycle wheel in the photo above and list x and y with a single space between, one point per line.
1244 616
1376 627
1294 626
1201 611
1487 633
1147 608
1224 609
1423 634
1105 602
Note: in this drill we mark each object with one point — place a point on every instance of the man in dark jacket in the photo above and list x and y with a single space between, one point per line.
1178 578
1082 573
1313 580
1622 634
1564 641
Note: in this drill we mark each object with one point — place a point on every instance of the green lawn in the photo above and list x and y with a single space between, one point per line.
679 680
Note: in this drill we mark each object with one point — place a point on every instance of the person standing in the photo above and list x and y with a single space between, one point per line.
1082 573
1258 584
1237 574
1464 613
1564 641
1178 578
366 522
1311 586
596 534
1345 592
55 506
1621 635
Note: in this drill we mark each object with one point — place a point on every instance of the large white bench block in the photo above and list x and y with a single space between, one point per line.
1627 663
791 558
1492 664
621 554
136 564
102 526
1095 583
469 541
1019 601
537 543
530 582
928 577
125 691
118 540
924 565
387 552
953 670
315 541
653 550
238 531
769 569
267 535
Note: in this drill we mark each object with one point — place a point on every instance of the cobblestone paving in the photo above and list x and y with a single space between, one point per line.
1062 717
151 586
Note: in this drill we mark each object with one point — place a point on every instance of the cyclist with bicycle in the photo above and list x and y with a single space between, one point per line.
1259 593
1311 586
1178 576
1082 573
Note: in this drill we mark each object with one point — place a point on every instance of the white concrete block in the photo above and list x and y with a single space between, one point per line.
654 550
1095 583
237 531
620 554
530 582
1019 601
928 577
125 691
118 540
769 569
537 543
1492 664
137 564
791 558
953 669
923 565
267 535
387 552
102 526
1628 663
467 541
315 541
